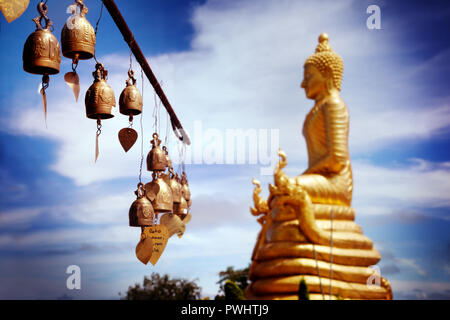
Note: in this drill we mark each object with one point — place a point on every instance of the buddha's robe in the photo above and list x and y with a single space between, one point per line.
328 178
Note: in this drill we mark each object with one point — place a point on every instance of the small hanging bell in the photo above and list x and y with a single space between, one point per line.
77 35
186 190
99 100
141 212
175 186
168 161
181 208
41 52
130 101
156 158
160 194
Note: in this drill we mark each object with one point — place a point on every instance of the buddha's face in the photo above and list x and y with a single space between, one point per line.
313 82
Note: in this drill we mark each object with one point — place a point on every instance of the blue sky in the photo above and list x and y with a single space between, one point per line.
226 65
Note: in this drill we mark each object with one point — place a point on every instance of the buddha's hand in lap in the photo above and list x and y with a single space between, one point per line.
296 196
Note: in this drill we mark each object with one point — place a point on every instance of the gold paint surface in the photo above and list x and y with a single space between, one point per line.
307 223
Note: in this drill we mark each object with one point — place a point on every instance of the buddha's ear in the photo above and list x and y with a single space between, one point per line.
328 74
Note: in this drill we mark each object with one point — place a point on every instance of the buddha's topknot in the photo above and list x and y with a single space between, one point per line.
325 58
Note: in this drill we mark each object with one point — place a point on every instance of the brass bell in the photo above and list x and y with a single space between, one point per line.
41 52
160 194
141 212
99 100
77 35
181 208
186 191
130 101
156 158
168 161
175 186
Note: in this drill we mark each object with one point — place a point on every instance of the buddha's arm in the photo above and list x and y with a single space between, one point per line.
336 129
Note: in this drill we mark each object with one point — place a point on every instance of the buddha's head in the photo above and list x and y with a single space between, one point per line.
322 70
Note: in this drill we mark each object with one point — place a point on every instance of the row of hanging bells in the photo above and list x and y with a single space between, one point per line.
42 51
167 192
42 55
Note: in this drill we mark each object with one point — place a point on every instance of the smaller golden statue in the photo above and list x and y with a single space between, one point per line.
308 228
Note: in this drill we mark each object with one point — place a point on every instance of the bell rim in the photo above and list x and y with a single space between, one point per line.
82 55
133 112
101 116
33 69
161 210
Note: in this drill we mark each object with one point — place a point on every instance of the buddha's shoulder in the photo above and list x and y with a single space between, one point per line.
333 102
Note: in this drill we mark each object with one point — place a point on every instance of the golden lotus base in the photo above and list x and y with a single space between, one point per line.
286 256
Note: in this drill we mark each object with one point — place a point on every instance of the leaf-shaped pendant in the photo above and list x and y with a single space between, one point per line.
127 138
159 236
144 249
187 218
73 81
173 224
96 147
44 103
13 9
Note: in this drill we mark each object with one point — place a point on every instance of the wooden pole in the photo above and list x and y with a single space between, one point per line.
136 50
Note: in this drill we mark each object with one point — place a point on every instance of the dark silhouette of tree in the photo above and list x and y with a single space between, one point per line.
163 288
240 277
232 291
303 293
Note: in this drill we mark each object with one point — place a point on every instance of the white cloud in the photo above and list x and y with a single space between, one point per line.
412 264
385 190
18 216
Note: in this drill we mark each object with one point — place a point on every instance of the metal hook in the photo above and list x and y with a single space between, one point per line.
42 9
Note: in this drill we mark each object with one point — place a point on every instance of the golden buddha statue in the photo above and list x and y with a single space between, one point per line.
308 229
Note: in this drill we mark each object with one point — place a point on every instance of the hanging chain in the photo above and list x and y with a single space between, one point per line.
131 61
97 134
96 27
166 139
142 129
99 18
99 127
44 85
75 63
45 82
318 271
130 121
43 9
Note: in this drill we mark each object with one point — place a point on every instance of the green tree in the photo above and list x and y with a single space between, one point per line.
239 276
303 293
232 291
163 288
